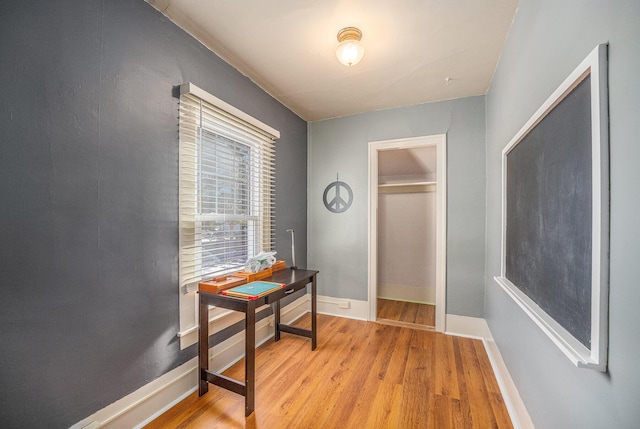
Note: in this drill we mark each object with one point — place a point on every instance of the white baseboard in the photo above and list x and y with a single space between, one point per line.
512 400
343 307
425 294
464 326
151 400
477 328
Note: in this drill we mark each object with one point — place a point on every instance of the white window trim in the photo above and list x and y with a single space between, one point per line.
189 88
188 307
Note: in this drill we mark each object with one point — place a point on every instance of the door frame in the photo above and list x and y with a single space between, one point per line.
440 142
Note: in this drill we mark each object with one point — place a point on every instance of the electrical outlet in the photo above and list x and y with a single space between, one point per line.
344 304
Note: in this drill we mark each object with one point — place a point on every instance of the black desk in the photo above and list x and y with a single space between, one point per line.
294 281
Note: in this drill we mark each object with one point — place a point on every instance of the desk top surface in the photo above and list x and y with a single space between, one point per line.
287 276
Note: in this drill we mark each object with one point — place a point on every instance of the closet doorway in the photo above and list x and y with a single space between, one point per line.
407 231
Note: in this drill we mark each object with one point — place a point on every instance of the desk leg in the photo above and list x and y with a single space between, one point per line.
250 359
203 346
276 321
313 313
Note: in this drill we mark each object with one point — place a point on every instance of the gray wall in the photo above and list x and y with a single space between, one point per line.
547 41
88 191
338 242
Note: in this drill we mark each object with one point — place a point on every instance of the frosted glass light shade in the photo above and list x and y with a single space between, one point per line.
350 50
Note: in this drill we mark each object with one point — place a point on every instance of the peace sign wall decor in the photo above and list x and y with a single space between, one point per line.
334 196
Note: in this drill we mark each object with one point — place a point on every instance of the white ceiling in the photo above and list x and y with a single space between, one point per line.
287 47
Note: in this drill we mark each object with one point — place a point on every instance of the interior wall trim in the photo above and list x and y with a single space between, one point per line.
440 142
343 307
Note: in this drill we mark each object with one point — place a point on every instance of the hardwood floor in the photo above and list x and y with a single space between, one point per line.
407 312
362 375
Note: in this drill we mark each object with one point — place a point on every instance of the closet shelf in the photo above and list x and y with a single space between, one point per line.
405 184
407 187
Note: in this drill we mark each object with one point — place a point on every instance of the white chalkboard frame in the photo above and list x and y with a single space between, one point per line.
595 357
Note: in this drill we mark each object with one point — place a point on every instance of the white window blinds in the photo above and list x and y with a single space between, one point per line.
227 185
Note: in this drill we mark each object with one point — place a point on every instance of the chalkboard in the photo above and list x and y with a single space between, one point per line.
555 215
548 236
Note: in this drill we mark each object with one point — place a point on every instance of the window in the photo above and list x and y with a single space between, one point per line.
226 191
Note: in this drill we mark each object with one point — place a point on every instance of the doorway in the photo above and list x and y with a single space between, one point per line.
407 231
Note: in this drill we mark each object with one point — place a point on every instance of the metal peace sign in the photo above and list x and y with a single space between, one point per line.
333 197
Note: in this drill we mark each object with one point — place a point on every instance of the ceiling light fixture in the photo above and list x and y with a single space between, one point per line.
350 50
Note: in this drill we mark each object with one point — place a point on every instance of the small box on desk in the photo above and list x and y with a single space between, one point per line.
252 277
218 284
278 266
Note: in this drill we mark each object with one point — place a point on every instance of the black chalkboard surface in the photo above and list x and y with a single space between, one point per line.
548 213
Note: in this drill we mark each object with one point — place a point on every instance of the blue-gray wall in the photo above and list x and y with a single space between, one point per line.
88 199
548 40
338 243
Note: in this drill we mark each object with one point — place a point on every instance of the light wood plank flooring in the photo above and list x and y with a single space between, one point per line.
406 312
362 375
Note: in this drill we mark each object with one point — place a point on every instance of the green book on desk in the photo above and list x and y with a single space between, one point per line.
253 290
